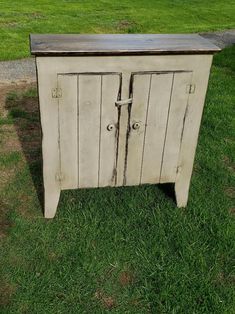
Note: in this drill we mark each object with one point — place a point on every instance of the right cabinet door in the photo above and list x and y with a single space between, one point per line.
155 126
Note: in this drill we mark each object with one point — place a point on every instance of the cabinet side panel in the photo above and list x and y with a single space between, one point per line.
135 136
68 131
178 105
110 85
191 129
47 80
89 101
156 127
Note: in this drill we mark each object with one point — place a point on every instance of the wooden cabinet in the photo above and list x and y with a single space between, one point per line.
119 110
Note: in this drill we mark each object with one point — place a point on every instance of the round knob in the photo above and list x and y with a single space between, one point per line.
136 125
110 127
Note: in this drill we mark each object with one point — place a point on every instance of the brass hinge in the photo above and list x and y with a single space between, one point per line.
190 89
56 93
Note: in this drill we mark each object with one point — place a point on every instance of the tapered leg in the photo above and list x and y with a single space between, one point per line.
51 200
181 192
49 114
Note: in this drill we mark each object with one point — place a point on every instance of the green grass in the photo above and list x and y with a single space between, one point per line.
18 19
123 250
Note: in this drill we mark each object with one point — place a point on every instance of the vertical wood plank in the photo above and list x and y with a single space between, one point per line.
68 131
159 100
135 138
123 122
178 105
108 130
89 100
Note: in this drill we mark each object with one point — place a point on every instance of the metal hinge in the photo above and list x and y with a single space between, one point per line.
190 88
178 169
56 93
59 177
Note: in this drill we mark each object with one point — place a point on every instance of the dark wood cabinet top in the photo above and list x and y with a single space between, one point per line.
119 44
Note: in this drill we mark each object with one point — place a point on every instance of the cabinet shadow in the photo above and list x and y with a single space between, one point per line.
169 190
23 107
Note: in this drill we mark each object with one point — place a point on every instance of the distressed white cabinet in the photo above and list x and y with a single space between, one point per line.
119 110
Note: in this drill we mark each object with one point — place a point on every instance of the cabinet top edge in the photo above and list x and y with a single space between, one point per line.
119 44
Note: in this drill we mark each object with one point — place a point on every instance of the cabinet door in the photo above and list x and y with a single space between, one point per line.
156 119
88 129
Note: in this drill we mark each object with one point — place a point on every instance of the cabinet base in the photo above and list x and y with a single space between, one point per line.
52 197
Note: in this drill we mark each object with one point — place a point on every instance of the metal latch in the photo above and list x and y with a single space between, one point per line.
123 102
56 93
190 89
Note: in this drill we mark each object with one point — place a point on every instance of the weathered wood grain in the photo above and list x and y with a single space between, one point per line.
89 98
156 127
135 137
50 138
98 85
190 134
174 126
68 135
119 44
108 151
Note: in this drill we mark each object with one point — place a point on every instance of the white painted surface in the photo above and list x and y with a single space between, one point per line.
68 126
47 80
141 86
89 98
188 146
108 130
156 127
174 125
162 149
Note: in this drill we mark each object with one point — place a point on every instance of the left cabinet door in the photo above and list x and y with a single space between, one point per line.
88 129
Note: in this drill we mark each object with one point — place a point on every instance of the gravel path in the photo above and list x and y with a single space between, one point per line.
222 39
24 71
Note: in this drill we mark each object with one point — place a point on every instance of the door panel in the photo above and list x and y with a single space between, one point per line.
159 105
135 136
89 99
177 110
108 130
88 150
156 127
68 131
89 128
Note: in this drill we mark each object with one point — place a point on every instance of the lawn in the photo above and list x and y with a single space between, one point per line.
124 250
19 18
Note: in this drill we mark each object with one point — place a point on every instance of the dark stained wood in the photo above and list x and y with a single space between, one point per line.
119 44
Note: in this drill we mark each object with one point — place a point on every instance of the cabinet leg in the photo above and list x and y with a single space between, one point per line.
51 200
181 193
